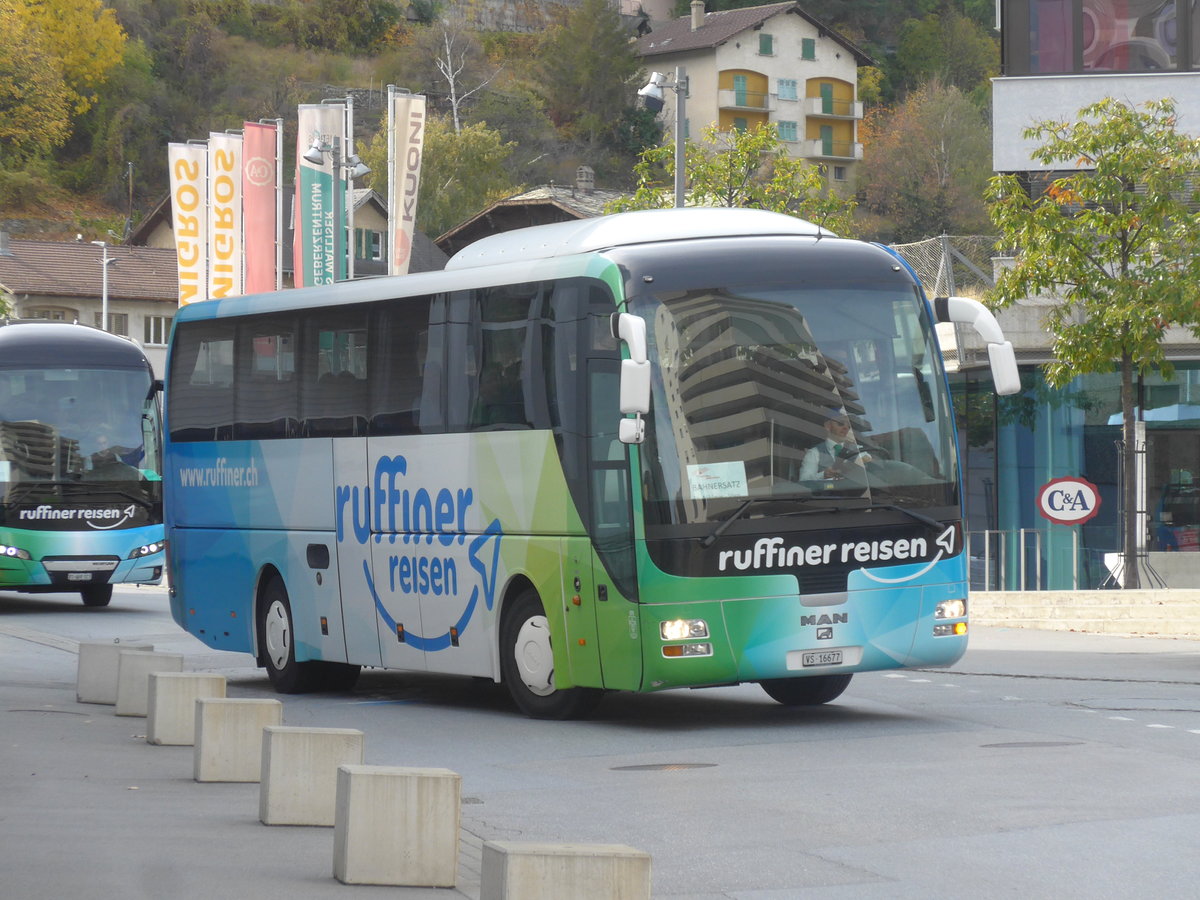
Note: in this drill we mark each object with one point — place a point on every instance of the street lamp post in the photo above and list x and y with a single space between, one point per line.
653 96
105 262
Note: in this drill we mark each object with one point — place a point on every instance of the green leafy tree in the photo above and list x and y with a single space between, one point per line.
586 71
1116 244
461 172
949 47
750 169
35 103
926 166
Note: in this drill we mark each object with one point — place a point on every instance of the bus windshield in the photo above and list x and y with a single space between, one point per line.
85 426
793 388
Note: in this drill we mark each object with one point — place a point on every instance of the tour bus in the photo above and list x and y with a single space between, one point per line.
572 463
80 461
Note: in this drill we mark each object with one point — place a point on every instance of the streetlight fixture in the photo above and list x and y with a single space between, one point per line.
105 262
344 173
654 98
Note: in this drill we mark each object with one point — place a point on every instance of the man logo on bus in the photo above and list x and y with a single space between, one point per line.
424 523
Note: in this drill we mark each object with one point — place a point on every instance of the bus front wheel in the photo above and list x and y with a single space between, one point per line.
527 664
811 691
277 650
97 595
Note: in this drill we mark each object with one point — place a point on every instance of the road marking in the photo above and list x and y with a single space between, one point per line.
40 637
1120 719
1160 726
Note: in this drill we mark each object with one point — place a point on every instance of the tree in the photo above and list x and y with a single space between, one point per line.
461 173
949 47
750 169
1116 244
586 70
35 110
926 165
86 39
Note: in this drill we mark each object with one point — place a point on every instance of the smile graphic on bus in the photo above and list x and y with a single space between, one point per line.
487 581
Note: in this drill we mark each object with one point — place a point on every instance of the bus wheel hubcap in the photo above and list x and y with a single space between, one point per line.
535 661
277 635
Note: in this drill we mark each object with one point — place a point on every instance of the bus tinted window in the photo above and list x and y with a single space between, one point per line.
202 381
334 364
400 359
267 397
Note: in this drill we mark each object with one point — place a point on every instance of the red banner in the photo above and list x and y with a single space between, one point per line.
260 167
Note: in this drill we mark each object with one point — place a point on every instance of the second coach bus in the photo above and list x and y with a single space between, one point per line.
575 462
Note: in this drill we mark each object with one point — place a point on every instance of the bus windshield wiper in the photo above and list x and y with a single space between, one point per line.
723 525
912 514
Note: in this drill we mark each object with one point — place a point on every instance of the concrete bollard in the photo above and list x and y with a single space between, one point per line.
133 677
171 705
299 773
514 870
229 737
96 678
396 826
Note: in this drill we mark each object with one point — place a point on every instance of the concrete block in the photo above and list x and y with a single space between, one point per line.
229 737
171 705
299 773
96 678
515 870
133 677
396 826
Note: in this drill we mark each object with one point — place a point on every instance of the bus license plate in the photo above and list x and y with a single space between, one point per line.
821 658
79 576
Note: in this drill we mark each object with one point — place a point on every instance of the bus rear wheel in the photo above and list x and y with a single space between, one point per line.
527 664
277 650
811 691
97 595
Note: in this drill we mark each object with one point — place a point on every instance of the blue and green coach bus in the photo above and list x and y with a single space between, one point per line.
574 462
80 461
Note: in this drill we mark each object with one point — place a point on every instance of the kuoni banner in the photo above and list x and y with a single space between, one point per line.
406 130
188 164
225 215
260 205
316 206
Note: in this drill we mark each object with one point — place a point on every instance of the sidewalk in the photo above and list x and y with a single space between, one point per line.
89 809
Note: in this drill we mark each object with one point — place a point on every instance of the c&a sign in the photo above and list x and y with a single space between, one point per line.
1068 501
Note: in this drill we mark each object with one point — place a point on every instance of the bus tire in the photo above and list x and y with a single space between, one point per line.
527 664
811 691
276 643
96 595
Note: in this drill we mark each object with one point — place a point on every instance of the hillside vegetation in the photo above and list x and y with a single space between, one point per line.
91 92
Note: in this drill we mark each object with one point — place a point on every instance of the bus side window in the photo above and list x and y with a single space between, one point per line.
399 365
201 402
333 374
267 397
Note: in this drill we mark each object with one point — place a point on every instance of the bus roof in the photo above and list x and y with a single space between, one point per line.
40 343
625 229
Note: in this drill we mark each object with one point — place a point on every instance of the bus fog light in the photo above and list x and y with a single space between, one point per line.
682 629
956 628
677 651
14 552
951 609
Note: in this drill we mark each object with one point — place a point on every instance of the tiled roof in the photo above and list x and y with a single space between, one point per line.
677 35
57 269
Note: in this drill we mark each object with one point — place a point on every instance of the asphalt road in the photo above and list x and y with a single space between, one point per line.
1044 764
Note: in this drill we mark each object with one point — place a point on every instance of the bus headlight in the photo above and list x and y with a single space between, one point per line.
951 609
678 651
683 629
148 549
14 552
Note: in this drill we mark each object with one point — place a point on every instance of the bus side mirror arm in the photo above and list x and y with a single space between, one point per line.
963 310
635 377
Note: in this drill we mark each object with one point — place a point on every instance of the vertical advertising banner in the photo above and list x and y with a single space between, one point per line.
225 215
406 128
260 186
189 218
317 206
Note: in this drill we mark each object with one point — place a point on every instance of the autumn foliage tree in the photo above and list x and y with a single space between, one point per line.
1116 244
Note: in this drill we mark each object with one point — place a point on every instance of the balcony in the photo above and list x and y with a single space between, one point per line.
825 108
826 149
755 101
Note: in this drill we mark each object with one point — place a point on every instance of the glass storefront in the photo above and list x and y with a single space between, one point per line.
1012 446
